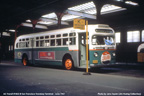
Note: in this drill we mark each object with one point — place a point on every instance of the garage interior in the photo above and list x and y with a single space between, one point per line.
24 17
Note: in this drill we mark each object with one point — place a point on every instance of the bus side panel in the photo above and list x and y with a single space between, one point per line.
75 57
58 56
20 52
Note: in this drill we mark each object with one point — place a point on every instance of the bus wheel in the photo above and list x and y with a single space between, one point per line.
68 63
25 61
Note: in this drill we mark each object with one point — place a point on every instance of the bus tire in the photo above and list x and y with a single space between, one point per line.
25 60
68 63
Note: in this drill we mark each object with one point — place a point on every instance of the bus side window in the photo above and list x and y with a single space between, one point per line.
27 44
47 43
58 42
72 41
65 40
42 43
52 42
37 43
17 45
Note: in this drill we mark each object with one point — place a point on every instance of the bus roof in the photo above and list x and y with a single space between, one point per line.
65 30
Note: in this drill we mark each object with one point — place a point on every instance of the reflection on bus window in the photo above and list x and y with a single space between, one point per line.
72 41
83 40
47 43
102 40
65 41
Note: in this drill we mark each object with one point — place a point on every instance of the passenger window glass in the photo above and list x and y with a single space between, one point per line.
72 41
42 43
41 37
65 35
52 36
65 41
58 42
27 44
59 35
47 43
52 42
37 38
46 37
72 34
17 45
23 39
37 43
27 39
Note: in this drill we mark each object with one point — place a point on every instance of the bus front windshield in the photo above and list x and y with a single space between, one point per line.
102 40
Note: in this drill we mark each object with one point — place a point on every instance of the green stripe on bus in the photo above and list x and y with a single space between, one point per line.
45 49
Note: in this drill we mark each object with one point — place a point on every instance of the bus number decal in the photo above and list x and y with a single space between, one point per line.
47 55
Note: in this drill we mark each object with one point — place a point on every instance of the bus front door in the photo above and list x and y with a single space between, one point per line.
82 49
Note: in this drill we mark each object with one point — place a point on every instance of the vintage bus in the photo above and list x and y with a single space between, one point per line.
67 47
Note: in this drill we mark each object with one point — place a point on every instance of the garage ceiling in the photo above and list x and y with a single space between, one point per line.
21 12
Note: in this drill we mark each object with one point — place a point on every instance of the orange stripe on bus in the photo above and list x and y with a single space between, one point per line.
73 50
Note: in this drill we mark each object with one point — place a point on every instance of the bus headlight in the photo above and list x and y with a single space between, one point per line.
95 54
114 54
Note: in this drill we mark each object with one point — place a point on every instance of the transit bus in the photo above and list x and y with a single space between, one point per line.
67 47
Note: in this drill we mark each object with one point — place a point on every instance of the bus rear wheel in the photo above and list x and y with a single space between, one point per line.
68 63
25 61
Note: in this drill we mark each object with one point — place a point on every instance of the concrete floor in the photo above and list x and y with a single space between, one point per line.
120 80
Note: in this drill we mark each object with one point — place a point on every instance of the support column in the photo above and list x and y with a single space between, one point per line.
16 31
99 4
59 16
1 45
34 22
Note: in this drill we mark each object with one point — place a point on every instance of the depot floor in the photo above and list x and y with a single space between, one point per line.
42 80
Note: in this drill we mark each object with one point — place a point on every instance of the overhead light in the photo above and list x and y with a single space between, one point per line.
50 15
108 8
119 0
45 22
83 7
28 20
131 3
11 30
69 17
37 26
5 34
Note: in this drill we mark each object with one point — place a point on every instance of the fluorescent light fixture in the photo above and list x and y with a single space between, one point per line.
5 34
108 8
37 26
90 8
131 3
44 22
83 7
119 0
50 15
28 21
69 17
11 30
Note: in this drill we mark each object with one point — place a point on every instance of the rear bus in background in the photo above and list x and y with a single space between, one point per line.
67 47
